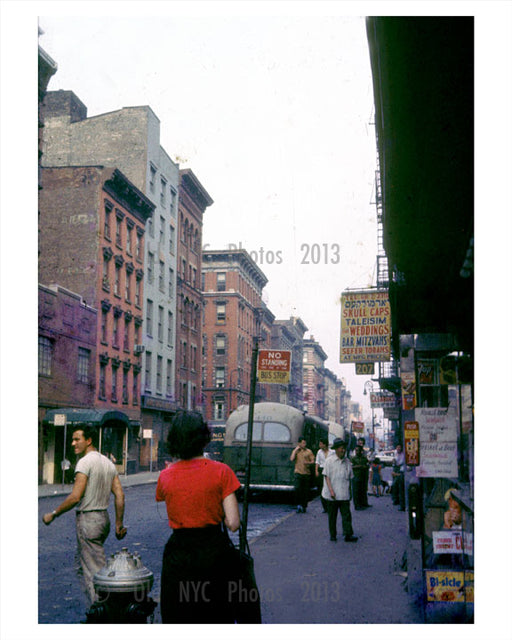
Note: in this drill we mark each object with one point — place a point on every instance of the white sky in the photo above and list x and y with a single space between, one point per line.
273 116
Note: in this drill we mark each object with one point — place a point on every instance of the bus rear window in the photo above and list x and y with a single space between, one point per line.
276 432
241 432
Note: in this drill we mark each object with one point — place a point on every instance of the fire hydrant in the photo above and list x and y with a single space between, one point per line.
122 587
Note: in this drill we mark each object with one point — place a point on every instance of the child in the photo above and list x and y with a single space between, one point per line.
376 478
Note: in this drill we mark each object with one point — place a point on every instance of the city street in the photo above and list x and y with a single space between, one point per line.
148 531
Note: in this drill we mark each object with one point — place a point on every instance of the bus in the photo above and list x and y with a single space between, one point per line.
276 430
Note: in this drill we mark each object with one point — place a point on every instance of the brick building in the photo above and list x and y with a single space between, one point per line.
232 288
193 201
66 378
313 377
91 241
289 334
129 139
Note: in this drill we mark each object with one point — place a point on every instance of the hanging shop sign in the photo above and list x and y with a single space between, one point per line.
274 366
408 379
438 443
412 443
357 427
365 326
381 399
450 586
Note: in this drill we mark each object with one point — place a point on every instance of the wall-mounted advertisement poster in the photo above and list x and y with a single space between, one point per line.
408 379
438 443
412 443
365 326
450 586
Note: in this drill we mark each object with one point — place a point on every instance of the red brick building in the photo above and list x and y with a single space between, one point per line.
66 377
193 201
233 316
91 241
313 378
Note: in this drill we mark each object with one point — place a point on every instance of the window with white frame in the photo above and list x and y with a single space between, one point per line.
45 353
84 358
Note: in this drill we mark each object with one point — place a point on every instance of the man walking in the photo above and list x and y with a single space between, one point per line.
304 459
95 478
359 483
322 454
337 490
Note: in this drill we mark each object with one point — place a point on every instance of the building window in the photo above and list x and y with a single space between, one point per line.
128 286
162 233
104 326
184 355
220 373
105 281
220 345
168 379
106 228
221 312
128 238
159 362
221 282
135 388
163 191
125 386
173 203
138 246
170 321
45 356
115 371
172 239
149 318
148 370
218 409
161 278
138 285
84 357
160 324
126 336
151 260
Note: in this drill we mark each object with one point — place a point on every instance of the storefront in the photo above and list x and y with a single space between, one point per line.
118 438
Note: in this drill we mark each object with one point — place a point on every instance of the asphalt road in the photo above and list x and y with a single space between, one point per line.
60 597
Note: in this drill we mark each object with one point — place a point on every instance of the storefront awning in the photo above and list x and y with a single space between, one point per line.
89 417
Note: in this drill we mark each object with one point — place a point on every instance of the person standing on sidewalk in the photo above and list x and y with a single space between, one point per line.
398 488
337 490
364 495
359 484
304 459
96 478
322 454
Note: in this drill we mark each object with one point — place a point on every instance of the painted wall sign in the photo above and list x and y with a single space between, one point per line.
365 326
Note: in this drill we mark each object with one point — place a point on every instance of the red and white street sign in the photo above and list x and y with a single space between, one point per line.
274 366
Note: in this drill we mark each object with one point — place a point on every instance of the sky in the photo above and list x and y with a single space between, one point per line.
274 116
270 105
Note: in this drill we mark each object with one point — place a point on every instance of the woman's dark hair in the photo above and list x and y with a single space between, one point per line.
188 435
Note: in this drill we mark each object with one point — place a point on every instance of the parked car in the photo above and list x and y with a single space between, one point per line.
386 457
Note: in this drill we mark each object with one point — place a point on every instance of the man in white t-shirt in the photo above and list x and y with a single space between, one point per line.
321 456
96 478
338 490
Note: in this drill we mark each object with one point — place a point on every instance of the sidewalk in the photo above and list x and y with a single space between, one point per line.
305 578
50 490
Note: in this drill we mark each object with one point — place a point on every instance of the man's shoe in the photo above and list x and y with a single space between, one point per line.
334 539
300 510
351 538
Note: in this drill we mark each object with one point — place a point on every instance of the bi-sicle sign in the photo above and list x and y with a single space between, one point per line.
274 366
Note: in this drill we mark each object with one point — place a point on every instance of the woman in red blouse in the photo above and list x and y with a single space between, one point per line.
197 574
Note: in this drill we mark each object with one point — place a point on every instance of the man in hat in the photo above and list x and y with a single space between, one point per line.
337 490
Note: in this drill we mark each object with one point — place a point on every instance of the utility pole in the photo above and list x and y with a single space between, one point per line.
245 513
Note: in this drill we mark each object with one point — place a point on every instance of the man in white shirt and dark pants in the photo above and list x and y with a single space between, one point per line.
337 490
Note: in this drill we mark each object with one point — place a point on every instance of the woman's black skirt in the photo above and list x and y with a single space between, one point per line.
199 578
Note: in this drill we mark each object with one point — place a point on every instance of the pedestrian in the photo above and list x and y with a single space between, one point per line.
337 490
96 478
200 497
359 483
304 459
364 495
376 477
398 487
322 454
